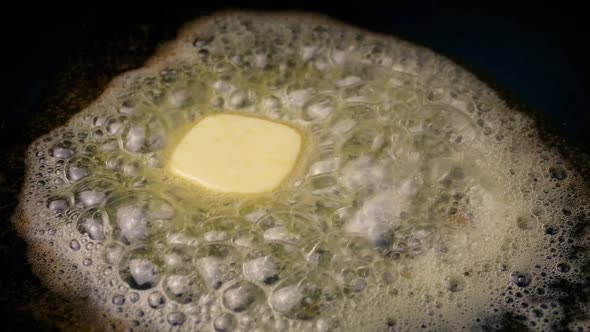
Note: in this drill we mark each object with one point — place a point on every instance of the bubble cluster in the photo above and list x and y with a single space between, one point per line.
421 200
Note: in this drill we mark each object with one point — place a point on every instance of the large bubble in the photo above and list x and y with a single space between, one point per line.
421 200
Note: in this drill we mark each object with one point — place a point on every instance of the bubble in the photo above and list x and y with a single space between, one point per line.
261 269
306 298
179 259
183 288
284 300
520 279
91 223
133 297
376 218
558 172
526 223
135 138
241 296
75 245
127 107
217 264
238 100
76 173
156 300
224 323
78 168
200 42
113 253
91 198
132 223
176 318
57 204
118 300
60 152
551 230
563 267
143 272
380 235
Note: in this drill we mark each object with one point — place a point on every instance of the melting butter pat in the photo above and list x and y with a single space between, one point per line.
236 154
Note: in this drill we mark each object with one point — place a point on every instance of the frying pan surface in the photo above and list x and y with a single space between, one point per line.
58 57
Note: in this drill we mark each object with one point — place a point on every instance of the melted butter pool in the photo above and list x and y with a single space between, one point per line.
416 199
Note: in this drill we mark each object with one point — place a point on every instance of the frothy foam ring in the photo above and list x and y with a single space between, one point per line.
421 200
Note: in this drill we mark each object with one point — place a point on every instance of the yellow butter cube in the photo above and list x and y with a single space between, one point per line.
236 154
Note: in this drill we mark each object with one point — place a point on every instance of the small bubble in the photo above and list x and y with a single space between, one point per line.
156 300
127 107
551 230
238 100
390 322
558 172
113 253
118 300
200 42
134 297
176 318
61 153
57 204
224 323
520 279
75 245
241 296
87 262
563 267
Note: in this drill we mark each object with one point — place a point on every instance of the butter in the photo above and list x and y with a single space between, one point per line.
236 154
